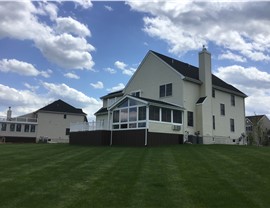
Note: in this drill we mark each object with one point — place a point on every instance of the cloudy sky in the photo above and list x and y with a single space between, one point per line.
78 51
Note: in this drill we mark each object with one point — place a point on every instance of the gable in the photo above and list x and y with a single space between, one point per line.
191 73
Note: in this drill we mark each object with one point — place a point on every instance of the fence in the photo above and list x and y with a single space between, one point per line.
87 126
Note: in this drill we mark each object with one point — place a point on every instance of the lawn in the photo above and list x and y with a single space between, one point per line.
54 176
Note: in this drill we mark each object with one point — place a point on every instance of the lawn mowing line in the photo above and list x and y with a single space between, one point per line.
249 177
42 160
28 187
226 180
95 191
159 183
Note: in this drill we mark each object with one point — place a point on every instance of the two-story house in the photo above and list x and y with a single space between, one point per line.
167 101
258 129
50 123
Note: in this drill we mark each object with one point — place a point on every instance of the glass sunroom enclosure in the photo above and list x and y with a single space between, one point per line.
131 113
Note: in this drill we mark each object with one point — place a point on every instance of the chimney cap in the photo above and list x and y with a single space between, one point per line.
204 48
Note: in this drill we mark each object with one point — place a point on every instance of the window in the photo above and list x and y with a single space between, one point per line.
213 93
3 127
222 109
116 116
32 128
12 127
232 124
67 131
129 115
165 90
142 113
214 122
65 116
177 116
133 114
190 118
136 94
154 113
26 128
166 115
124 115
18 127
232 100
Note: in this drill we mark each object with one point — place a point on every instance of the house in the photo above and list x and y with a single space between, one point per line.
258 129
167 101
50 123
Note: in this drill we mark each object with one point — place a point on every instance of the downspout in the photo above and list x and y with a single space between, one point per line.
110 126
147 126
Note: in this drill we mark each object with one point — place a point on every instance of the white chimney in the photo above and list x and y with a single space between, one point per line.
205 74
9 113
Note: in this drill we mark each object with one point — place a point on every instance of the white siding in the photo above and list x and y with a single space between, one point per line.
151 74
53 125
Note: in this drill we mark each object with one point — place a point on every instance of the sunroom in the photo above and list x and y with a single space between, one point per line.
142 119
135 121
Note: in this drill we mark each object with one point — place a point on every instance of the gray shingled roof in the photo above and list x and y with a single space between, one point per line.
192 72
61 106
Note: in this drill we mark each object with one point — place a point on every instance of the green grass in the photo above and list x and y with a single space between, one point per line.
54 176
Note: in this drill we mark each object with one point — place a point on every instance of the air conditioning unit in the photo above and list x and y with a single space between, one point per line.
176 127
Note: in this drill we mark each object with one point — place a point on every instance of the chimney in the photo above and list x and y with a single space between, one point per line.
205 74
9 112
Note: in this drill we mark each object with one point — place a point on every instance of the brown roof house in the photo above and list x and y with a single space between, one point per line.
167 101
50 123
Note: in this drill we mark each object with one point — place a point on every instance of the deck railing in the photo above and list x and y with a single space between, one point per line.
87 126
18 120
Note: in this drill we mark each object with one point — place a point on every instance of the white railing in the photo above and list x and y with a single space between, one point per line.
87 126
19 119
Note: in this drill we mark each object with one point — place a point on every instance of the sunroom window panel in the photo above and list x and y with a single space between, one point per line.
116 116
166 115
177 116
142 113
154 113
124 115
133 114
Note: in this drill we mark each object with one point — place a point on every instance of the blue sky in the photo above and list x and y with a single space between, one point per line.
78 51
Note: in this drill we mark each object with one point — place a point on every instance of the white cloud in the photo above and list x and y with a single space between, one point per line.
124 68
26 101
84 3
98 85
187 25
71 75
109 8
21 101
251 81
22 68
60 47
69 25
110 70
118 87
230 56
31 87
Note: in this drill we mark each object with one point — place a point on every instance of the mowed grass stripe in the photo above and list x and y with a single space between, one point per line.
38 175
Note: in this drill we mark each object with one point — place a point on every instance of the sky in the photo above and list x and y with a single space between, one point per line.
78 51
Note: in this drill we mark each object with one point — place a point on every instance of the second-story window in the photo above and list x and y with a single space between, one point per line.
232 100
222 109
165 90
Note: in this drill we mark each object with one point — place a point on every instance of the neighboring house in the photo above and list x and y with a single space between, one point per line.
50 123
258 129
167 101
